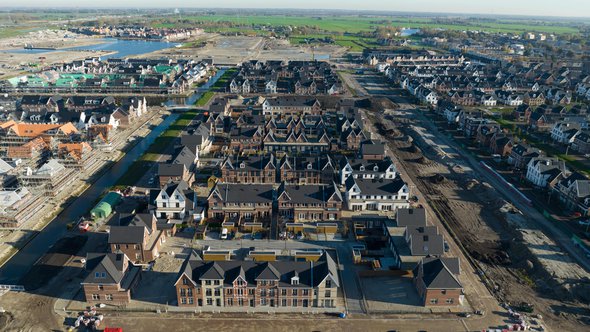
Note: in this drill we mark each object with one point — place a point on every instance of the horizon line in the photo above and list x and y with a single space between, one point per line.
376 12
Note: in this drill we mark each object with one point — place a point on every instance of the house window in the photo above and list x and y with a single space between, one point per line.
217 292
108 297
230 291
283 302
182 292
100 287
209 301
294 302
305 292
450 301
433 301
328 283
185 281
251 291
208 282
208 292
262 301
95 297
216 282
230 302
190 292
183 300
295 292
283 292
327 293
190 300
263 292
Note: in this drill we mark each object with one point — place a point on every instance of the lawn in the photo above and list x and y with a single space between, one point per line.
160 146
356 24
223 81
205 98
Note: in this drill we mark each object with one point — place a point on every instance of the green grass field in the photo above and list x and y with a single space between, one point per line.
205 98
356 24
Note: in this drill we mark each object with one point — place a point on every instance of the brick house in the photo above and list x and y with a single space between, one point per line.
309 202
373 151
306 170
501 144
112 278
139 236
249 284
351 138
251 169
241 202
437 281
180 168
521 154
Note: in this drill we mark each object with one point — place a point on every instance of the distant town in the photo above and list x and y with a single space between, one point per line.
328 171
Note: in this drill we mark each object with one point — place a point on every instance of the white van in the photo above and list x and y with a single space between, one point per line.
224 234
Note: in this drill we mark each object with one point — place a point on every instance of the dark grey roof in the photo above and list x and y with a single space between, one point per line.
105 268
126 234
165 169
309 194
411 217
242 193
436 274
376 186
425 241
373 149
310 274
184 156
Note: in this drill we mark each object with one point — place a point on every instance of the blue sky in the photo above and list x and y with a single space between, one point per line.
576 8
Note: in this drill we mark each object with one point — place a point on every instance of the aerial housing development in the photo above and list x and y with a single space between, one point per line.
293 169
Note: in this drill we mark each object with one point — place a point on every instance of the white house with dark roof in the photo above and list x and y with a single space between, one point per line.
175 201
376 195
541 171
364 169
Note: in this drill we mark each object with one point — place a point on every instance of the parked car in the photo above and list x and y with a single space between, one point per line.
224 233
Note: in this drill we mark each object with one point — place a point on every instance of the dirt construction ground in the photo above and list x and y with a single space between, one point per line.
471 210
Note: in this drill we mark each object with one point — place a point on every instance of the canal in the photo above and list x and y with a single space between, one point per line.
19 264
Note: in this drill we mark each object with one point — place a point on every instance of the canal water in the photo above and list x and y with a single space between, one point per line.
122 48
17 266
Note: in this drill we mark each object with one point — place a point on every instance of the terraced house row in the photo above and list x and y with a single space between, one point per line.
147 76
288 283
285 77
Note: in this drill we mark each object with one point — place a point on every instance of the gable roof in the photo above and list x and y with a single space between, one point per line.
437 273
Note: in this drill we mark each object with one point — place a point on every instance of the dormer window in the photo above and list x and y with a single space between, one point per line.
309 166
362 168
242 165
376 168
295 280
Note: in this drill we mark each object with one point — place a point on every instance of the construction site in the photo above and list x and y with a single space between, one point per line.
520 265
